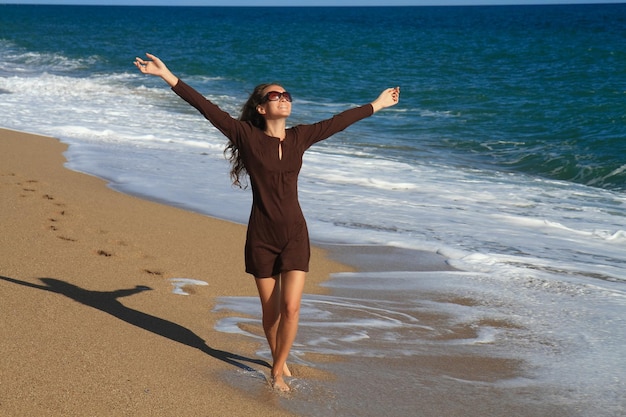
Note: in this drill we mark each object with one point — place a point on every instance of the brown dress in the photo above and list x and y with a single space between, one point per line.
277 238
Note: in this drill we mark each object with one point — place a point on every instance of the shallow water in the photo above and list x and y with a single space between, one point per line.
411 339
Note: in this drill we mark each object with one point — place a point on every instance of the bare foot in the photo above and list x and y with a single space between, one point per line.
286 370
279 384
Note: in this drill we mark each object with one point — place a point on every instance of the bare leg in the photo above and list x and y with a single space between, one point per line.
280 301
269 292
292 283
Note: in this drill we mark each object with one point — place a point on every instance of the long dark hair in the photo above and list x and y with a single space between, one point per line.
250 114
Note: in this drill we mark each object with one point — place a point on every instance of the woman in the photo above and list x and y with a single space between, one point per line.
277 243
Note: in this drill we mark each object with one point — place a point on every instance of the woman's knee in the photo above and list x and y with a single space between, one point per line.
291 310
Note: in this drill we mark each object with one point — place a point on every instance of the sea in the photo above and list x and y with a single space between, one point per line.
505 160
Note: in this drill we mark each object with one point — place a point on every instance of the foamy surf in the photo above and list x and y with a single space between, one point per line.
181 285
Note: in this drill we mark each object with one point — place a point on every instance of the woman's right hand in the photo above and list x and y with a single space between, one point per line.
154 66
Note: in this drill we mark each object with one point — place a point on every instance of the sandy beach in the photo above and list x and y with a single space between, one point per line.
90 323
92 326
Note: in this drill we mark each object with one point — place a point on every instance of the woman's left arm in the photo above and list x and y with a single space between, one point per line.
326 128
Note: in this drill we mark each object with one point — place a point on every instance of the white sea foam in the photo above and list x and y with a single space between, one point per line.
180 284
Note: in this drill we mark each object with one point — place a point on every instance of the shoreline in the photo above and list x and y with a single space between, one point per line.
92 323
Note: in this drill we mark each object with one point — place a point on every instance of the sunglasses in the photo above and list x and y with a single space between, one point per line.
275 96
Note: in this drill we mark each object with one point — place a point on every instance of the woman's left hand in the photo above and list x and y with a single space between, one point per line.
389 97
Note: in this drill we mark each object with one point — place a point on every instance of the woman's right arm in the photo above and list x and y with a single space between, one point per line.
156 67
233 129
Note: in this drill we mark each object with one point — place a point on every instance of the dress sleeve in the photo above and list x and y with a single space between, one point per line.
232 128
319 131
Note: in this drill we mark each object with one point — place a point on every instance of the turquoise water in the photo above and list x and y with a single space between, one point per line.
506 155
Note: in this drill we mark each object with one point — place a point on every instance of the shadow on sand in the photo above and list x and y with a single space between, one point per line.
107 301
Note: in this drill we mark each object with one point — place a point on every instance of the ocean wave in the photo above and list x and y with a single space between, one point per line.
580 160
17 60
